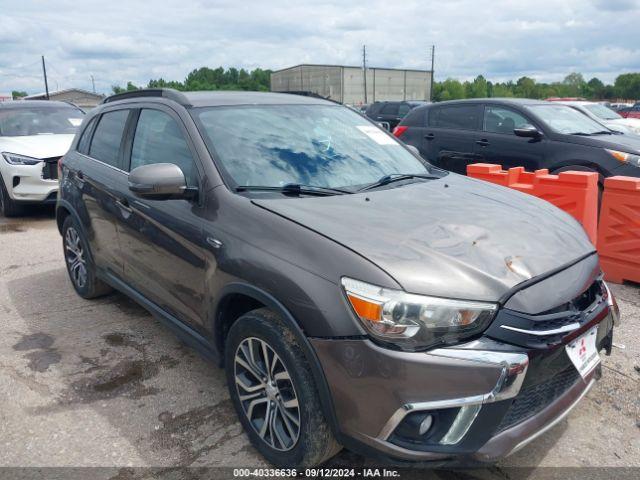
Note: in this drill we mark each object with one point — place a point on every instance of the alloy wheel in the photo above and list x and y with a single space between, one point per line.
74 254
267 394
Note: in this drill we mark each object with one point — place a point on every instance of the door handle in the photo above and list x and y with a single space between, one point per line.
483 143
123 204
214 242
429 136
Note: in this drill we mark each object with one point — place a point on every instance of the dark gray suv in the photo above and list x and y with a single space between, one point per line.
356 295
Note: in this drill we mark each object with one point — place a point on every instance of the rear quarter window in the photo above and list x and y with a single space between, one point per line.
460 117
416 118
85 138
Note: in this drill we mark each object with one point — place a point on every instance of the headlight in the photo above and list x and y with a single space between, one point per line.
415 321
625 157
15 159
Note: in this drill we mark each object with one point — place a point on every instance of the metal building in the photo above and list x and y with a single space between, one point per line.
346 84
82 98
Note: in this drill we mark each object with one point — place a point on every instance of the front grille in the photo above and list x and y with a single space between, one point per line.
50 168
549 328
533 399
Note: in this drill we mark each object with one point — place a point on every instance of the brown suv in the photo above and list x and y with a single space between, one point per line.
356 295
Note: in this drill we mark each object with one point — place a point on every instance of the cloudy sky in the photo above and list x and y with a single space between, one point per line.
117 40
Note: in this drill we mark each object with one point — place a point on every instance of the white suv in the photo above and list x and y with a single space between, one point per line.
33 136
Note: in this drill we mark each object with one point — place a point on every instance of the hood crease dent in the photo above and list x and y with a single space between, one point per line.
454 237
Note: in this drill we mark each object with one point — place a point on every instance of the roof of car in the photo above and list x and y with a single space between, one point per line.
219 98
495 100
33 104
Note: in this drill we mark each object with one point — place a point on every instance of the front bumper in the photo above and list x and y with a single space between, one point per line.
488 398
27 183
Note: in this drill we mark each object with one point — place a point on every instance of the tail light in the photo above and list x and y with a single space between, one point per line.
399 130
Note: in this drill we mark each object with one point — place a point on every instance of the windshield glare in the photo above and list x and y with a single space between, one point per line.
328 146
602 112
563 119
20 122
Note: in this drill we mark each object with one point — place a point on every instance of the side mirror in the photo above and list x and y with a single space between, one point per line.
527 131
159 181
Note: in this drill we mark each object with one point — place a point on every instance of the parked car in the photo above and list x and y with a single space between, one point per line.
33 136
619 106
518 132
356 295
607 117
390 113
630 112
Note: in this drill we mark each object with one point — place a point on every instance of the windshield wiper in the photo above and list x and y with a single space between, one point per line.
603 132
582 134
293 189
397 177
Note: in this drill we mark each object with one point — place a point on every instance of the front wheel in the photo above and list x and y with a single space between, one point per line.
273 392
8 207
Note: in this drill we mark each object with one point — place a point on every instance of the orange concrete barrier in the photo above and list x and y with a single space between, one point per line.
574 192
619 232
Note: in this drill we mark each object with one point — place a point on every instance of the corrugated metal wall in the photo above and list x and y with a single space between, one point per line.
345 84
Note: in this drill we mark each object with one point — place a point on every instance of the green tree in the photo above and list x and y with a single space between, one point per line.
595 88
16 94
118 89
574 83
450 89
526 88
627 85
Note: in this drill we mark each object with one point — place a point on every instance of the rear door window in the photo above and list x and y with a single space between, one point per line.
461 117
105 145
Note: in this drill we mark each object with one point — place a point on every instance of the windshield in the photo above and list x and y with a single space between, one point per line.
327 146
563 119
602 112
19 122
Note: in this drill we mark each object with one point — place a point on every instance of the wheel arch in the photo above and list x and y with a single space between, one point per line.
226 312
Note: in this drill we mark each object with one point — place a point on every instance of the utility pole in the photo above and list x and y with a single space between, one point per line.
433 57
364 71
44 72
93 82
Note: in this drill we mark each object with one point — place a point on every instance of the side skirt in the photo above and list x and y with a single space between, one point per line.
181 329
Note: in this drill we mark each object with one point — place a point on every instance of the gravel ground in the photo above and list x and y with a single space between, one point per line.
103 384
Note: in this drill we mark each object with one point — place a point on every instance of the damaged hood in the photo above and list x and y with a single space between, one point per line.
453 237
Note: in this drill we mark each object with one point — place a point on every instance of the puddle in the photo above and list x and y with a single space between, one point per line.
41 352
12 227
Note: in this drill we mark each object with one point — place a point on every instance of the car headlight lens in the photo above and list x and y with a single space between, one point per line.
625 157
415 321
15 159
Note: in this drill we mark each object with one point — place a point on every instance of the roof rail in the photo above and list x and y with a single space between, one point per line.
168 93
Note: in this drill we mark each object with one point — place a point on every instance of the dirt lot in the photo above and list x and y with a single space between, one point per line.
102 383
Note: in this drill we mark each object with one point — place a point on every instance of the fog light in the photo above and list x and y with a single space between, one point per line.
425 425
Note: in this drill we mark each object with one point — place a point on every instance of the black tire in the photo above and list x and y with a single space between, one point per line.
80 267
314 443
8 207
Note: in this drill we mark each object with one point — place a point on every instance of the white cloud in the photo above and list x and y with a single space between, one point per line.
137 40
